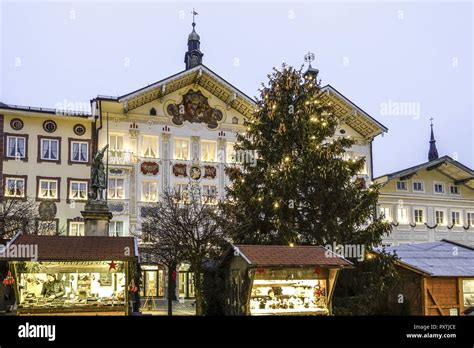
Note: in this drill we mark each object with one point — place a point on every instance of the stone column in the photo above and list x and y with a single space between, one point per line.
96 216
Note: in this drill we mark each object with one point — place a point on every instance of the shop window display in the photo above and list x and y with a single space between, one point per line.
70 285
288 291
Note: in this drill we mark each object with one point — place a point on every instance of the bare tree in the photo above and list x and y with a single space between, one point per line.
181 228
17 215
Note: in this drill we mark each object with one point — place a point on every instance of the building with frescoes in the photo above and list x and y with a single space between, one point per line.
183 128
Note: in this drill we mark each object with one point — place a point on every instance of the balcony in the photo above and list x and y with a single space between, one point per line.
122 158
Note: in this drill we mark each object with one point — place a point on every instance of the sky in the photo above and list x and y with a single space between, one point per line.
401 62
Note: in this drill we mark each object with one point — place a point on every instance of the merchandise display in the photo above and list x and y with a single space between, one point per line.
70 286
288 296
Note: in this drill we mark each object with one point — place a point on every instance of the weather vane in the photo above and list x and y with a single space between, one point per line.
431 119
309 57
194 13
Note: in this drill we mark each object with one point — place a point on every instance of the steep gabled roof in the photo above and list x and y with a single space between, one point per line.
453 169
200 75
352 115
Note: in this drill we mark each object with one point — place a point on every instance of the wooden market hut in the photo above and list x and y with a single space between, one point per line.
67 275
436 278
281 279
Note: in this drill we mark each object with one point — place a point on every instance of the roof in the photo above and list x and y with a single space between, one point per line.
352 115
284 255
200 75
51 111
437 259
87 248
453 169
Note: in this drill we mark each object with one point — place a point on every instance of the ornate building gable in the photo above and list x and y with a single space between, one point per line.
453 170
352 115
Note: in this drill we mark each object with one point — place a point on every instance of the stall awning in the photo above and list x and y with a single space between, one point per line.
69 248
284 255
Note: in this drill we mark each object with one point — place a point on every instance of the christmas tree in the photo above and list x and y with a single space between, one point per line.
302 186
298 185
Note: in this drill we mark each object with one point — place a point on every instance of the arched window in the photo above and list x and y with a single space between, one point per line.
152 112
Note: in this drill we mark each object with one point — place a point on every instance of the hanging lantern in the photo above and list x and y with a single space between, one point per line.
9 280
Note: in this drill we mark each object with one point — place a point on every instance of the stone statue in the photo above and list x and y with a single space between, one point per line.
98 177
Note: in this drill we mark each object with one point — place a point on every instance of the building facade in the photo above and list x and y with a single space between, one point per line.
45 157
429 202
159 138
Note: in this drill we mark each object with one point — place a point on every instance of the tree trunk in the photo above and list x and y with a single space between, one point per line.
171 287
198 288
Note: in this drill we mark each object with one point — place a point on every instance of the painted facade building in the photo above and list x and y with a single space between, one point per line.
45 157
429 202
159 137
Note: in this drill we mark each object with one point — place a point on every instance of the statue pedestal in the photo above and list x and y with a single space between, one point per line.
96 218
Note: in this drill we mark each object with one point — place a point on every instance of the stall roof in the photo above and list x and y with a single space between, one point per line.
69 248
284 255
437 259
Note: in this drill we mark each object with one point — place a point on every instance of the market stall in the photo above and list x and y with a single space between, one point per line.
282 280
74 275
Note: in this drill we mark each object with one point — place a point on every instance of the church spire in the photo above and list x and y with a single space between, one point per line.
433 153
193 57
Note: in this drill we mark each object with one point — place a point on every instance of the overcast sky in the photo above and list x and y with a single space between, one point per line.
400 62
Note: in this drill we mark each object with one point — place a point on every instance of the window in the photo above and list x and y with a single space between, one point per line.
455 190
230 153
456 218
15 187
49 149
385 213
209 194
470 218
79 129
181 149
79 151
419 216
418 186
115 189
150 191
48 189
401 185
468 292
208 151
439 217
150 146
76 228
116 145
438 187
78 190
16 147
116 228
402 215
50 126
